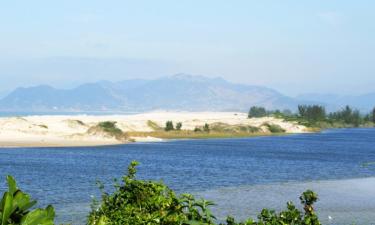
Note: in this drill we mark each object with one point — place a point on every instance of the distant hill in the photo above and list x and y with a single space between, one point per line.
178 92
364 102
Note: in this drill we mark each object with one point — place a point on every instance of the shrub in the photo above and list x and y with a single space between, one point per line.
43 126
197 129
153 125
109 128
312 113
169 126
137 202
274 128
15 208
348 116
206 128
178 126
257 112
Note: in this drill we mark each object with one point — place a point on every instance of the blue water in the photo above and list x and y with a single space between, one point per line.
65 177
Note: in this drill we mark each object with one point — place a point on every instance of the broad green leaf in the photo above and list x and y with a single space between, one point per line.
22 201
12 185
39 217
7 208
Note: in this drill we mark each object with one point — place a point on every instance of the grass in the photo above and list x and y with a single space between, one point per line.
153 125
189 134
273 128
110 128
43 126
216 130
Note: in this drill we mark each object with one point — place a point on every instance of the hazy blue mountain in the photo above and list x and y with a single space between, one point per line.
334 102
178 92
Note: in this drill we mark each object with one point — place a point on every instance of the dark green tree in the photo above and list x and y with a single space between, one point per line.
178 126
206 128
169 126
312 113
348 116
256 112
373 115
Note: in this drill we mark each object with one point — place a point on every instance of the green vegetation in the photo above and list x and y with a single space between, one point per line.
256 112
196 134
15 208
178 126
316 117
153 125
43 126
108 128
169 126
274 128
138 202
312 113
141 202
206 128
214 130
79 122
348 116
226 128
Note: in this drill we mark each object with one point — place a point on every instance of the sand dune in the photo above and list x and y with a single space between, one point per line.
72 130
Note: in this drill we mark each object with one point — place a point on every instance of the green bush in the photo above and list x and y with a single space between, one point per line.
178 126
206 128
137 202
257 112
15 208
169 126
153 125
111 128
274 128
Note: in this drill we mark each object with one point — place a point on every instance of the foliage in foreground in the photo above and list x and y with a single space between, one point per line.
15 208
138 202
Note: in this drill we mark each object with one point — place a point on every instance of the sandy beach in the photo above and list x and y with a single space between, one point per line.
64 130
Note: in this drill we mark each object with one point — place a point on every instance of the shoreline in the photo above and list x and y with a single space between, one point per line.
88 130
138 139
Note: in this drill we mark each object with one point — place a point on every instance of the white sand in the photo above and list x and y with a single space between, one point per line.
68 131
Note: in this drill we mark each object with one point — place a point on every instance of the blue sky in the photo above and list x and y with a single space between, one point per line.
293 46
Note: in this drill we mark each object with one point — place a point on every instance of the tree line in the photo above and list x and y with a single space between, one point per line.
316 113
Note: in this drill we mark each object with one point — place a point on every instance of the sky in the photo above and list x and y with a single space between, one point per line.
294 46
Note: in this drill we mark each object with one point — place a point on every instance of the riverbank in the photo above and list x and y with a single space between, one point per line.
85 130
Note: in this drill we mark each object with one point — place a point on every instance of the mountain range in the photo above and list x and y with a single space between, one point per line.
178 92
364 102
